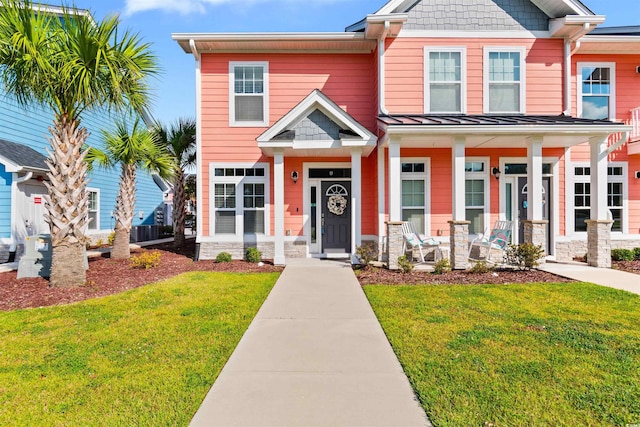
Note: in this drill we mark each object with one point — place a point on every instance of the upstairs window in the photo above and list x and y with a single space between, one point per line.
596 91
444 80
504 79
248 98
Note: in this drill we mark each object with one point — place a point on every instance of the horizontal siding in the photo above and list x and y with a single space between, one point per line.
405 73
5 202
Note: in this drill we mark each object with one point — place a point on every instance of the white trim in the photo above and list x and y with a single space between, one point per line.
395 182
381 194
232 95
426 176
523 79
98 211
612 94
474 34
278 195
239 209
587 130
463 77
356 198
486 176
306 197
458 153
199 158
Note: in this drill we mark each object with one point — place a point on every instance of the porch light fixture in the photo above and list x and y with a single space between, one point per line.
294 176
496 173
637 174
141 214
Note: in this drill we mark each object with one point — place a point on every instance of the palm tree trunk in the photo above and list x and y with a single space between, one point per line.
178 208
125 203
67 202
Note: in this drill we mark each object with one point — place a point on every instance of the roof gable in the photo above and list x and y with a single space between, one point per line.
16 157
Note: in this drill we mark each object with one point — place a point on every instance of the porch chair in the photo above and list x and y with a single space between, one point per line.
496 241
413 240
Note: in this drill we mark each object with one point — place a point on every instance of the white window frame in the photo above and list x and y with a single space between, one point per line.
232 94
239 182
484 176
573 179
463 78
612 94
426 176
523 77
97 210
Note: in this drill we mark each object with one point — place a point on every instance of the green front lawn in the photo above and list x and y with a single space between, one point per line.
517 355
144 357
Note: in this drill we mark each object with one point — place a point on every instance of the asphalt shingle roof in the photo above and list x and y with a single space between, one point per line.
22 155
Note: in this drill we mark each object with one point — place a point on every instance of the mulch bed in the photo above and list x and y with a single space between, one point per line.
373 275
106 277
628 266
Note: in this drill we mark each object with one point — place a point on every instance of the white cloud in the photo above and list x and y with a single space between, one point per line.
594 111
186 7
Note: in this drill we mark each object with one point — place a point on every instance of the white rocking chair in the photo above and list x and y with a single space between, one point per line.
498 240
413 240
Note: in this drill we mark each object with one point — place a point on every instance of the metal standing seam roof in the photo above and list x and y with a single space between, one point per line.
629 30
22 155
488 120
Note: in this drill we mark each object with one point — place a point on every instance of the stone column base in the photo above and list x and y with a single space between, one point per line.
459 244
395 243
599 243
535 232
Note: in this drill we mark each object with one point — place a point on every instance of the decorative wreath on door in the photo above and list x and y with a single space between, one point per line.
337 202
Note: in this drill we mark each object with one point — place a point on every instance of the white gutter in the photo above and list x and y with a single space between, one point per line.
568 53
505 130
27 177
381 69
199 194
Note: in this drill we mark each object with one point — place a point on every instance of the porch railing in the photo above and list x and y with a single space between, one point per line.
635 123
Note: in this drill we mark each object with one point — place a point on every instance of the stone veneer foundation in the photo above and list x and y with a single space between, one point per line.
535 232
599 243
459 244
395 243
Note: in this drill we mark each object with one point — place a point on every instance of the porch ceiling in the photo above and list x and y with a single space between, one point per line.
494 131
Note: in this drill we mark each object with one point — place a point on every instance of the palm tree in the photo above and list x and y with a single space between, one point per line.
70 63
180 139
138 149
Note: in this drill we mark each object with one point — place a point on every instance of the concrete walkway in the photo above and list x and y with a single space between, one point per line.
600 276
315 355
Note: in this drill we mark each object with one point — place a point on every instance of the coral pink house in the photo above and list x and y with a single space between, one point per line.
451 114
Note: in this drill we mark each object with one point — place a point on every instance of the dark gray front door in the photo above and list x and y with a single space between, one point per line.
336 216
522 206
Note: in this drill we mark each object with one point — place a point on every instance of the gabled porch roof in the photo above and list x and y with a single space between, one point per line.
317 126
18 157
494 131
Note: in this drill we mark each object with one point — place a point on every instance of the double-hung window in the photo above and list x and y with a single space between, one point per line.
445 75
415 187
476 195
616 195
504 80
94 209
596 91
240 199
248 97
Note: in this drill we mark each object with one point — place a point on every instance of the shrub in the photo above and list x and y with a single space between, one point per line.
636 254
111 238
405 265
99 243
224 257
622 254
166 230
481 267
253 255
525 256
146 260
367 252
442 266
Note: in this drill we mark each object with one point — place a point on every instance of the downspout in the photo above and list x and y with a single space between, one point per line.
568 53
381 69
13 246
198 58
380 152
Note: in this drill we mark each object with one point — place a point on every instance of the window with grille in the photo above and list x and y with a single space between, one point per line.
414 194
596 91
225 207
444 78
248 100
504 81
476 203
582 197
254 208
94 210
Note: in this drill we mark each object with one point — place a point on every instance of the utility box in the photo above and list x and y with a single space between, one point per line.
36 261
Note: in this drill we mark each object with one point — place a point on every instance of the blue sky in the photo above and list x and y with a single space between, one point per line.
155 20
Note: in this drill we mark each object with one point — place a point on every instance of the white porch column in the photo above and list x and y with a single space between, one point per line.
599 165
381 199
599 226
395 184
356 198
458 191
459 226
278 196
534 179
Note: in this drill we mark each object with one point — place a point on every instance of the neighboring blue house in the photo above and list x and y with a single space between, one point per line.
23 145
